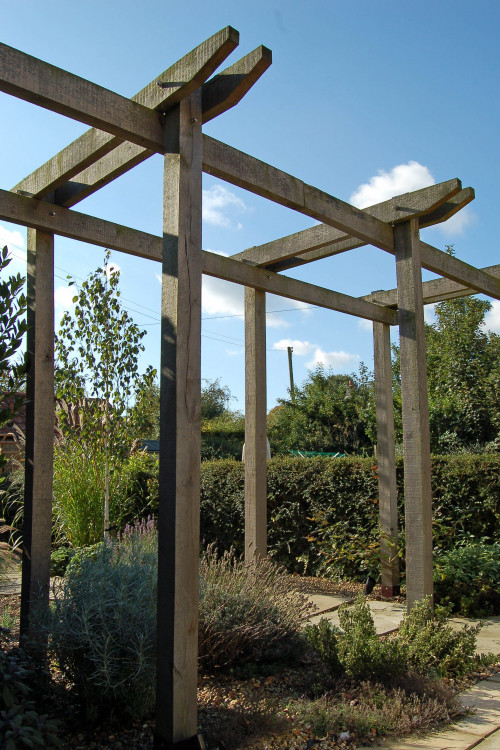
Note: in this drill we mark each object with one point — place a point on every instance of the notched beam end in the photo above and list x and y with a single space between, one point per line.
448 209
226 89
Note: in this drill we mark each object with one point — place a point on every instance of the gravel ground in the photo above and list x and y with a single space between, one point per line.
235 712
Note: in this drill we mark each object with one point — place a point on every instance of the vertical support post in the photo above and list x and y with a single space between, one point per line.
37 527
388 508
416 436
180 384
255 426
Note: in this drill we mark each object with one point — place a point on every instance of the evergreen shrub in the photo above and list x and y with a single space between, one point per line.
467 578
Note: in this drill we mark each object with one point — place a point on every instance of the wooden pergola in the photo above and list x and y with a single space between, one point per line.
166 118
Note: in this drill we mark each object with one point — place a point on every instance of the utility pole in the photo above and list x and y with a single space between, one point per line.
290 367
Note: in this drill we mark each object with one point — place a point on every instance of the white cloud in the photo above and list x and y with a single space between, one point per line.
365 325
403 178
339 361
492 318
457 224
222 297
217 203
429 314
300 348
235 352
63 300
14 240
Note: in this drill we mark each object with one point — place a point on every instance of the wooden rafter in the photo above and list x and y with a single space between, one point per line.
436 290
326 238
38 214
184 76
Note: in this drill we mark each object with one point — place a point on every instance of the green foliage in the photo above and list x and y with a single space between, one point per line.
467 578
329 413
97 351
59 560
215 399
12 330
102 626
323 513
23 683
246 615
323 637
425 644
135 489
362 654
432 646
223 437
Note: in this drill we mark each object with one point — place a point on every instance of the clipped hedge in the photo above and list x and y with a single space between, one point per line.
323 513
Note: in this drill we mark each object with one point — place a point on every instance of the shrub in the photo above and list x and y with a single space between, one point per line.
22 684
246 614
468 578
59 560
102 625
432 647
323 637
135 489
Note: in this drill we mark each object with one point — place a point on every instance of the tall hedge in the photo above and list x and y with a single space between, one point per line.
323 513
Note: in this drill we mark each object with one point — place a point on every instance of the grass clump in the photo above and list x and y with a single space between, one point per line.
246 614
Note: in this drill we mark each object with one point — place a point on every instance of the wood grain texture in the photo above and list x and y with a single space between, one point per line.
330 241
415 412
180 386
456 270
37 525
183 77
386 460
447 209
436 290
218 95
247 172
49 217
255 427
53 88
228 87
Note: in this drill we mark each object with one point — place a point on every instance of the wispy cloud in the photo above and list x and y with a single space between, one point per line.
365 325
222 297
429 314
401 179
339 361
300 348
219 205
112 268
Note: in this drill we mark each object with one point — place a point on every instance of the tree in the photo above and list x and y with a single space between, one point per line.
463 374
330 413
97 350
215 399
12 330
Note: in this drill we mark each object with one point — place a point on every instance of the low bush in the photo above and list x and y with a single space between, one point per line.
355 650
23 684
467 578
425 645
246 614
102 625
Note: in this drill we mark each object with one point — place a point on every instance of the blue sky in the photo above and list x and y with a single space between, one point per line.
364 100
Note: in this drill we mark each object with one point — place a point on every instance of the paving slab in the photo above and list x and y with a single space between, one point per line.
490 743
386 615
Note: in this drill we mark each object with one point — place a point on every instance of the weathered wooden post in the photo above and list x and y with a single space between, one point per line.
179 501
37 526
255 426
388 509
417 463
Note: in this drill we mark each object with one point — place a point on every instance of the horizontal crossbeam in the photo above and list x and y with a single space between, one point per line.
167 89
323 237
435 290
39 214
40 83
